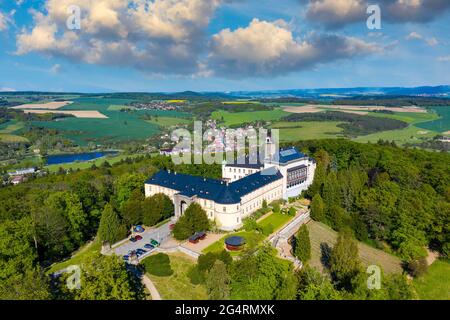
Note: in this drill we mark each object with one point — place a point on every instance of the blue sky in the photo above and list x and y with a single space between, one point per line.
185 45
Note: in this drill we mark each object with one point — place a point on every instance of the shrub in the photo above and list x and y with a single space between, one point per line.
267 229
292 212
250 224
196 276
276 207
158 265
417 268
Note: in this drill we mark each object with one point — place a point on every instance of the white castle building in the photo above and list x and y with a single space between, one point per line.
243 188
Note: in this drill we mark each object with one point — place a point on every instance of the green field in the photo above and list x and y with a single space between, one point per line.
9 132
178 286
168 121
252 239
277 220
303 130
435 284
236 118
411 134
442 124
322 235
120 126
408 117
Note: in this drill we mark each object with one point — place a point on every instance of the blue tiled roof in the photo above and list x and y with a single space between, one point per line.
290 154
212 189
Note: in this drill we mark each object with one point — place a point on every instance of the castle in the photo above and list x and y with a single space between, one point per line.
244 186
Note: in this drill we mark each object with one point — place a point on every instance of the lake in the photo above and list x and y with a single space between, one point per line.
81 157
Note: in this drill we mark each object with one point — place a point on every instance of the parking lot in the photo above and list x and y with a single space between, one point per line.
159 234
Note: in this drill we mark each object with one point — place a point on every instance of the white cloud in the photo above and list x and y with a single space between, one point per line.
414 36
428 41
152 36
269 48
444 59
7 89
338 13
55 69
3 21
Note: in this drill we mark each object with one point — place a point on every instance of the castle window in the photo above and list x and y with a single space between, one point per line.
224 209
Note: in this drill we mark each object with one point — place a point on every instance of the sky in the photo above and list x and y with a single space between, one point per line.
221 45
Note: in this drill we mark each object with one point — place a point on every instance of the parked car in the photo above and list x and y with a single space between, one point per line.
138 229
149 246
154 242
126 257
140 252
171 226
138 237
133 239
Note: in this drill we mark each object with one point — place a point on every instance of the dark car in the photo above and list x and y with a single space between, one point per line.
133 239
126 257
138 237
149 246
154 242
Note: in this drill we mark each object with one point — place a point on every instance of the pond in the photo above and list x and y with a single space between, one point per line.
80 157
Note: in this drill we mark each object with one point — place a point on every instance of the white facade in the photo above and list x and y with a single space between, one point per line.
290 174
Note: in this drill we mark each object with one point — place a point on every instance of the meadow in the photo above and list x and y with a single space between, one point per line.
307 130
323 237
276 220
435 284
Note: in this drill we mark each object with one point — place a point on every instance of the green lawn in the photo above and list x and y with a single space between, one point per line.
178 286
321 236
304 130
235 118
435 285
277 220
252 239
77 257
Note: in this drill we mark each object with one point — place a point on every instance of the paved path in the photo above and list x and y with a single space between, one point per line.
151 287
160 234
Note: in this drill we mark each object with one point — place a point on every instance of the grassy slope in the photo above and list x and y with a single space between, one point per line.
435 285
304 130
77 257
320 233
178 286
168 121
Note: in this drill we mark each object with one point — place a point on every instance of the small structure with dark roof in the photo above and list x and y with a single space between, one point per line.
234 243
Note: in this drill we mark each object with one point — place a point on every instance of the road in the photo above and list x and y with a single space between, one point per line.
160 234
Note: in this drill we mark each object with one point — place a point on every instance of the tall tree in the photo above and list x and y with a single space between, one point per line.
303 245
344 263
111 228
193 220
218 282
318 208
106 278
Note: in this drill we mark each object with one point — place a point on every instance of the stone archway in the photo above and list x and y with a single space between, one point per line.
183 207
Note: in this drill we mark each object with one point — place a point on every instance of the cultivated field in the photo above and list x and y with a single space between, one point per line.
312 108
307 130
89 114
323 238
8 130
236 118
49 105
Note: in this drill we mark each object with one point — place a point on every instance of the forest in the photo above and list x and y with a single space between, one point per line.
391 198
